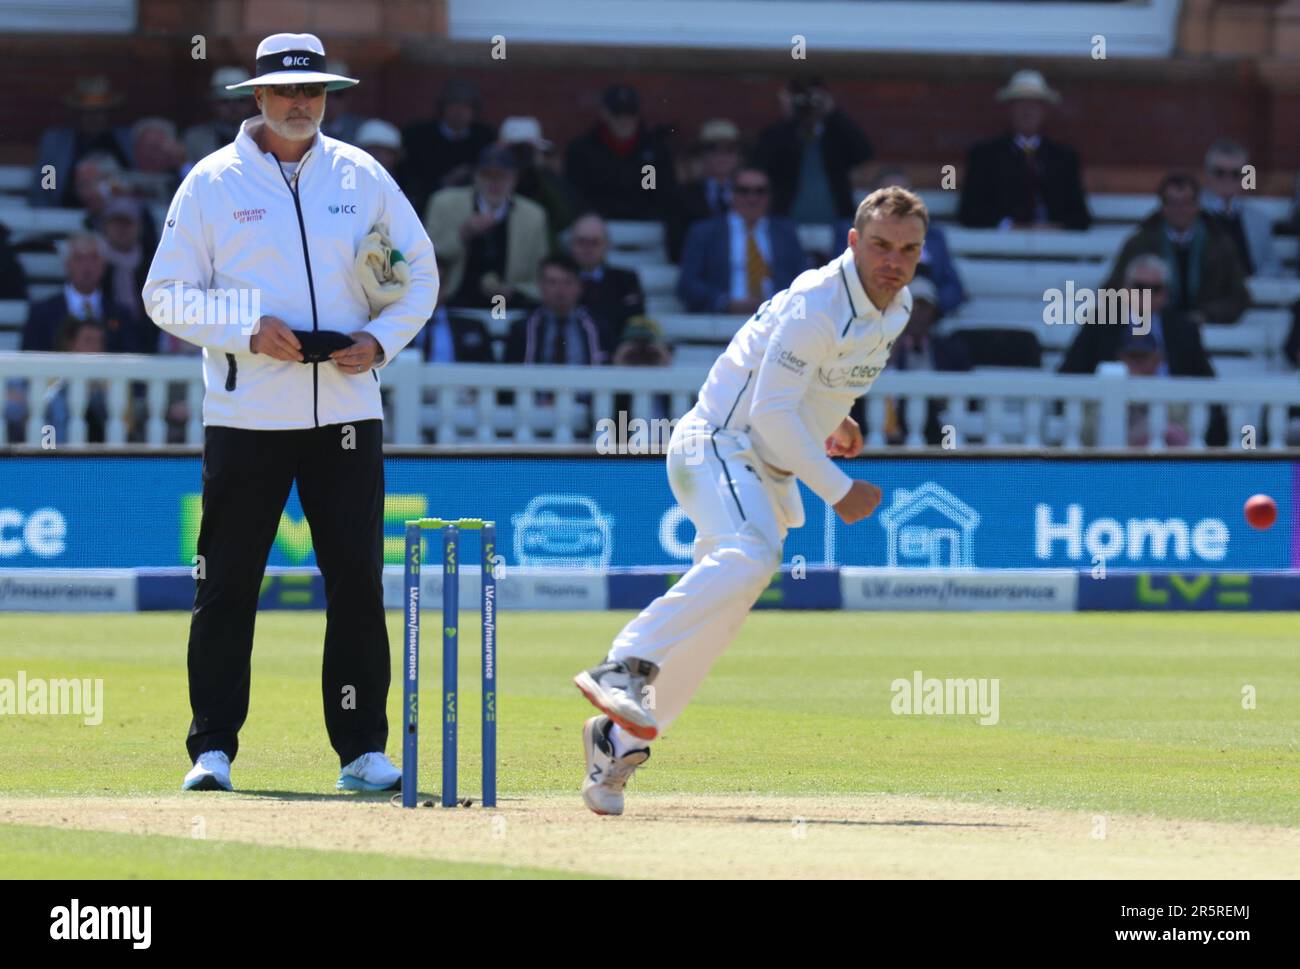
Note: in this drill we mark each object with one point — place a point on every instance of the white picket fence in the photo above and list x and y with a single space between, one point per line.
517 405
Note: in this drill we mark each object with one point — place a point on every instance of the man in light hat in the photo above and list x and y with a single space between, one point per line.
276 219
718 152
537 179
1021 179
228 107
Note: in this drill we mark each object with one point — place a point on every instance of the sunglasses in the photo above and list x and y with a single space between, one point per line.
1153 287
587 240
1218 172
293 90
750 190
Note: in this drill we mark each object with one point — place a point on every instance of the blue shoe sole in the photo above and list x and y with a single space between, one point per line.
349 783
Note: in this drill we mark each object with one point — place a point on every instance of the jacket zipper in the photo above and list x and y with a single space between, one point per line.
311 286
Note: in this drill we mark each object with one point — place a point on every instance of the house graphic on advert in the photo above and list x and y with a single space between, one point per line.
930 527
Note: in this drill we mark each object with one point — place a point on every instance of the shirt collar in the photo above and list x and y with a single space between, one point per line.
1023 142
738 224
76 299
499 213
860 302
246 144
452 135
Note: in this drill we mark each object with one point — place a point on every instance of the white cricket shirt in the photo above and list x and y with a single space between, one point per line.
790 375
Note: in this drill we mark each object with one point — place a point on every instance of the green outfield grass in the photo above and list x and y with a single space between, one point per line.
1126 713
28 851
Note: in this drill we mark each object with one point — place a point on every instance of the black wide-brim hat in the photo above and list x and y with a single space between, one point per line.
292 59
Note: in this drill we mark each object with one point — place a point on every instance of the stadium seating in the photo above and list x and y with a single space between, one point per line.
1005 274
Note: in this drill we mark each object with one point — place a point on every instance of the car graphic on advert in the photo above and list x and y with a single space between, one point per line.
563 531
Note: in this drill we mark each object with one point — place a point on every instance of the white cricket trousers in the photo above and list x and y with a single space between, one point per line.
741 514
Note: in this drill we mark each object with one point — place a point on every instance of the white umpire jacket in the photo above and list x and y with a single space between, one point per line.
244 240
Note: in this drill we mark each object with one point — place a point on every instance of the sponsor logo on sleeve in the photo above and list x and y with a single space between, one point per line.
787 358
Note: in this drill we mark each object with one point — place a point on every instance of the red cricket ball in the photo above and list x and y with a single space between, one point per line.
1261 511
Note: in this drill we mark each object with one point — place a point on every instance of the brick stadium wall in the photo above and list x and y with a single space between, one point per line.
1131 120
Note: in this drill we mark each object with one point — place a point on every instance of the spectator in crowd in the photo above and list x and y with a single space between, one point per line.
1228 210
718 152
82 298
611 295
537 181
99 180
607 164
919 347
936 258
1143 356
1022 179
455 338
441 152
1205 281
1171 347
1177 335
339 122
642 345
79 336
559 331
158 155
811 154
732 263
62 146
128 268
383 141
488 240
229 109
13 278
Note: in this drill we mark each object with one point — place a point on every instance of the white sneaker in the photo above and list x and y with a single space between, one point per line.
618 690
370 772
607 775
211 772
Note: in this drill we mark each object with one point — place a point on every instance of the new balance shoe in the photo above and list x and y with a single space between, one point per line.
618 690
607 775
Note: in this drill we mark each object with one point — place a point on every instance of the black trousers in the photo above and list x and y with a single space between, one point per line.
246 480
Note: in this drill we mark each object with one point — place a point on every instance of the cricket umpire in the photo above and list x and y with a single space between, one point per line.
316 237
